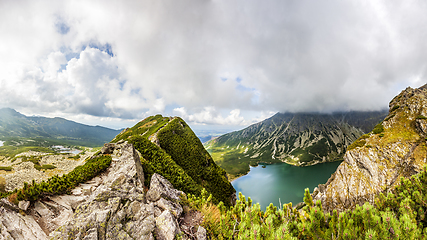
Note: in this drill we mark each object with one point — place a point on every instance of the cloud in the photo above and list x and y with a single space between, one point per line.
131 59
209 115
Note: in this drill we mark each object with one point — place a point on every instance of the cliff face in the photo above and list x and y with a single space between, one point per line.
112 205
395 148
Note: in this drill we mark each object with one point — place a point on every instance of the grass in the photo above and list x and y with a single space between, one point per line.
44 167
379 128
6 168
394 108
357 143
2 185
11 151
235 162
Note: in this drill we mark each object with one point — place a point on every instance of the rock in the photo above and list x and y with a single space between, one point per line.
161 187
166 226
201 233
110 206
377 165
174 208
108 148
23 205
16 226
153 194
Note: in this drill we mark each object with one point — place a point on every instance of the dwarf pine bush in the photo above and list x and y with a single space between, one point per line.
398 215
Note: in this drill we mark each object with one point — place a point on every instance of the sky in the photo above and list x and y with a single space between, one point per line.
217 64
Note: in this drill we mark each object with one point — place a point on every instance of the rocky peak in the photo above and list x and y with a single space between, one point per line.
112 205
373 164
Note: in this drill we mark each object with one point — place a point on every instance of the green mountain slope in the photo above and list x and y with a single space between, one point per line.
300 139
18 129
170 148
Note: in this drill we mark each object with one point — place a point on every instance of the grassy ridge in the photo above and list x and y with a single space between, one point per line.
156 160
143 128
181 157
180 142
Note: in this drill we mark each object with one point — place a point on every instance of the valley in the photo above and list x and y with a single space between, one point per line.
299 139
381 179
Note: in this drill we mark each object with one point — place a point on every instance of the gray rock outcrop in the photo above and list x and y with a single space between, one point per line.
112 205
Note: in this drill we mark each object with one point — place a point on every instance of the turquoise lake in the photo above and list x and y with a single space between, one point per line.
282 181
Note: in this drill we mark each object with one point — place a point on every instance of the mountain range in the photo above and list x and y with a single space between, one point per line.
18 129
300 139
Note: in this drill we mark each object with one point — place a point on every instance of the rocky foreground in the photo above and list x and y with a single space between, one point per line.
25 171
374 163
112 205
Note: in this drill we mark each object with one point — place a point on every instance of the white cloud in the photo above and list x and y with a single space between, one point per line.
134 58
209 115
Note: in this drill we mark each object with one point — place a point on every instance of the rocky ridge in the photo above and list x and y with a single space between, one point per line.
112 205
373 164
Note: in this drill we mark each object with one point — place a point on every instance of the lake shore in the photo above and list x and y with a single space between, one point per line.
282 182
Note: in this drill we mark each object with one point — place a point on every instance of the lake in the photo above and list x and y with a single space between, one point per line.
62 149
284 181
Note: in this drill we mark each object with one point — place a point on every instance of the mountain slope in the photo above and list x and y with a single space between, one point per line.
297 138
16 128
170 148
395 148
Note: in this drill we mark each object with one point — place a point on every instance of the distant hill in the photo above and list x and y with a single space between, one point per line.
18 129
300 139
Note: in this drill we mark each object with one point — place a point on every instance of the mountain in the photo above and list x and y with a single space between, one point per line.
300 139
16 128
138 186
114 205
170 148
376 161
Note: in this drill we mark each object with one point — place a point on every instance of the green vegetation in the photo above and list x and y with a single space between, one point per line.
6 168
75 157
421 117
47 166
156 160
399 215
394 108
181 159
64 184
19 130
36 162
2 185
11 151
144 128
186 150
358 143
379 128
